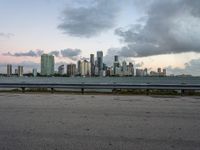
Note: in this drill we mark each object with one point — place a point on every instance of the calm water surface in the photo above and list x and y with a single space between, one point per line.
136 80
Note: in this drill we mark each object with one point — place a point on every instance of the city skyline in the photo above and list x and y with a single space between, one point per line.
140 31
118 67
91 68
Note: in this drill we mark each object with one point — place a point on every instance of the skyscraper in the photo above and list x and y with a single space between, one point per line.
34 72
85 68
159 70
61 69
100 62
124 68
145 72
47 65
116 58
131 69
71 69
116 64
9 70
92 63
79 67
20 71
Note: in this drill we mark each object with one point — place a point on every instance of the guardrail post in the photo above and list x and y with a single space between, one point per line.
23 89
147 91
52 90
82 88
182 92
114 88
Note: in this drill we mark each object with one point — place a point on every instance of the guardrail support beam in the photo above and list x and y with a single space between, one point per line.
82 91
182 89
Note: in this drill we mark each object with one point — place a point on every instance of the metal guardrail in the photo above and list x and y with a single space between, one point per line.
84 86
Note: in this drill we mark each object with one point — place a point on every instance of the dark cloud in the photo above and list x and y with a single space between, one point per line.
191 68
30 53
89 18
6 35
169 27
70 52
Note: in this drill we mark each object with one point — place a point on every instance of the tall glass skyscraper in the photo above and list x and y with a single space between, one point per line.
100 62
9 70
47 65
92 63
116 64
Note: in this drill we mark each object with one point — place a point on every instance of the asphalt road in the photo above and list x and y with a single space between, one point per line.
98 122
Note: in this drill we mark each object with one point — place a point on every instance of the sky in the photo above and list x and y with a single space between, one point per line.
149 33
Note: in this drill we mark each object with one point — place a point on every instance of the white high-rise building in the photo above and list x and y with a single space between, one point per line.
35 72
47 65
20 71
85 68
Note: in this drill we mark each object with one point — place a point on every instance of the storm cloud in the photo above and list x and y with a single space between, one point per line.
169 27
70 52
89 18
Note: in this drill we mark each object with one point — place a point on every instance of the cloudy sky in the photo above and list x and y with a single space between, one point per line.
150 33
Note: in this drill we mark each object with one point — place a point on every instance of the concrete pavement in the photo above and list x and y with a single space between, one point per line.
96 122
